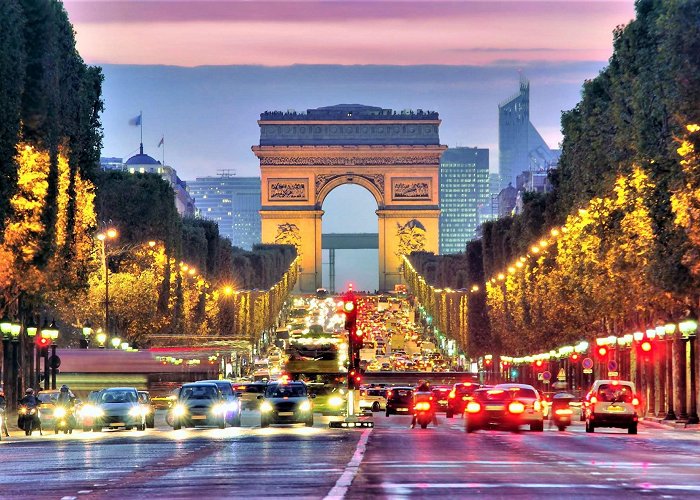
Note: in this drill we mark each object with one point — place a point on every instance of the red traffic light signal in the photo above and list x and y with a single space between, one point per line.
538 363
602 351
646 346
43 342
574 357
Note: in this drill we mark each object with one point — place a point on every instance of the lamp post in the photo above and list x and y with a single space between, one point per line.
5 329
52 333
116 342
670 330
688 329
103 237
15 330
101 338
87 331
31 334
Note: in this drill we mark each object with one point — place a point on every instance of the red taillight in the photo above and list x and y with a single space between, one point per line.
594 400
422 406
452 394
473 407
635 402
516 407
388 394
564 411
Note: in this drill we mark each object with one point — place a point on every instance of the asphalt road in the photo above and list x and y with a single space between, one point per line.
390 461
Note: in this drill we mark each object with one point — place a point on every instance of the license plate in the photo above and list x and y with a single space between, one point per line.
401 409
199 417
285 413
442 402
494 407
118 424
614 409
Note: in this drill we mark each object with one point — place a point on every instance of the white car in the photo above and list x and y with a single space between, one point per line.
612 403
373 398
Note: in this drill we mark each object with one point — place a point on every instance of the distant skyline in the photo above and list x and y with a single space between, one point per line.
203 71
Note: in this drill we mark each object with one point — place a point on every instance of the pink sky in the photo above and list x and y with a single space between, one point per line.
193 33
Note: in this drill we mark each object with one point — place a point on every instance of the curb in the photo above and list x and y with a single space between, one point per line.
668 424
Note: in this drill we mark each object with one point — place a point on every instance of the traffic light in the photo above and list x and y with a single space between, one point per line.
354 379
574 357
43 344
350 310
602 351
646 346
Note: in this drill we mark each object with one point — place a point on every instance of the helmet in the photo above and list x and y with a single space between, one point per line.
29 391
64 388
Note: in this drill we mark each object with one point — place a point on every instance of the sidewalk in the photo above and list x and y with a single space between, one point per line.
660 423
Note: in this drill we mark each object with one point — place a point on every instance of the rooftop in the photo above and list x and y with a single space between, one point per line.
349 112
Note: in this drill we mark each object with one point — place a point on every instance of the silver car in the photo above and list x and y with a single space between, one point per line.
119 407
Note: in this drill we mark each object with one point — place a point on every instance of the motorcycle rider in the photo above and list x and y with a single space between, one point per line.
31 401
423 393
66 399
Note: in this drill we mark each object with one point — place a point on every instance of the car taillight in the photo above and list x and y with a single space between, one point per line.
563 411
423 406
516 407
452 394
473 407
635 402
363 393
594 400
537 406
388 394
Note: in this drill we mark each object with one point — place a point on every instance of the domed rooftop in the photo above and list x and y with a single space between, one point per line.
142 159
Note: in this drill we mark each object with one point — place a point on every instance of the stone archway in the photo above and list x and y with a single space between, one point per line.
303 157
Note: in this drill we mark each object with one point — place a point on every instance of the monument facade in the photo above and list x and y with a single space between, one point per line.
394 155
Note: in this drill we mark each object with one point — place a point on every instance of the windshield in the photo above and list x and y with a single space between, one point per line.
198 392
401 394
118 397
615 393
48 398
285 391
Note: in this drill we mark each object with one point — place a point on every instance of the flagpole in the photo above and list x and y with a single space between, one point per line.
141 123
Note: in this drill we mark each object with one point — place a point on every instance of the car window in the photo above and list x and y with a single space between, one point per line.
143 397
48 398
118 397
609 393
282 390
376 392
198 392
401 394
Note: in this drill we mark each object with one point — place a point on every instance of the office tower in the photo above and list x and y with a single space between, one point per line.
464 192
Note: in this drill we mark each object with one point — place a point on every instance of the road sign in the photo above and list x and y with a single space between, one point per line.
588 370
546 375
539 376
561 375
54 362
613 374
587 363
612 365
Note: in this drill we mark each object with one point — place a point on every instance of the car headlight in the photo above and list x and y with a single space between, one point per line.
97 412
265 407
305 406
135 411
219 409
335 401
179 410
59 412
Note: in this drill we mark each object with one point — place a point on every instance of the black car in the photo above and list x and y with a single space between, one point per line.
286 403
234 404
149 408
458 397
399 401
199 404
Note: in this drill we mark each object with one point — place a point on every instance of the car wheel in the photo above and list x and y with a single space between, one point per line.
176 425
222 423
561 428
537 426
310 421
387 413
424 425
632 429
151 424
449 414
142 427
264 423
589 426
237 421
376 406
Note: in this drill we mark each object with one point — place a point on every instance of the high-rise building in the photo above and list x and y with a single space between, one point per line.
521 147
464 191
233 202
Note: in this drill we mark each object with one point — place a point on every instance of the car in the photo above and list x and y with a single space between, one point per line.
48 405
89 411
505 406
248 394
328 399
286 403
199 403
373 398
399 401
612 403
458 396
149 408
441 397
233 413
119 407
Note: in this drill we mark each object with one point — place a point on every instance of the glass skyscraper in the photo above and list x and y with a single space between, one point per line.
464 191
233 202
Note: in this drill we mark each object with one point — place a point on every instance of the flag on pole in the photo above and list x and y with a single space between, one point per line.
162 141
136 121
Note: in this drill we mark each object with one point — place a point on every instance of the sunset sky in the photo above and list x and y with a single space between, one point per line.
202 72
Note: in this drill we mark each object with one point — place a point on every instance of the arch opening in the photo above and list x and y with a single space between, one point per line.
349 208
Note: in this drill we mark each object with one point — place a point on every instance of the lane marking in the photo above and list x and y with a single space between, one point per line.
345 480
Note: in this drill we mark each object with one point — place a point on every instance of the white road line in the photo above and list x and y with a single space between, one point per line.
345 480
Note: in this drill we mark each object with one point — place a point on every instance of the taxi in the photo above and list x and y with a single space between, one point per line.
612 403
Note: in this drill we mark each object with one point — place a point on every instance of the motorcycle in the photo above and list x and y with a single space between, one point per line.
64 420
28 419
424 413
561 411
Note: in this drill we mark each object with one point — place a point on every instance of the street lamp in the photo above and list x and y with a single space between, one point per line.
108 234
688 329
87 331
101 338
116 342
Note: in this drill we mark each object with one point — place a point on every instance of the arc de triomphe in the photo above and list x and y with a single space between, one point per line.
395 156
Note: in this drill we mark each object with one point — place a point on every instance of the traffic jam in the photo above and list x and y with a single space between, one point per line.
303 378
